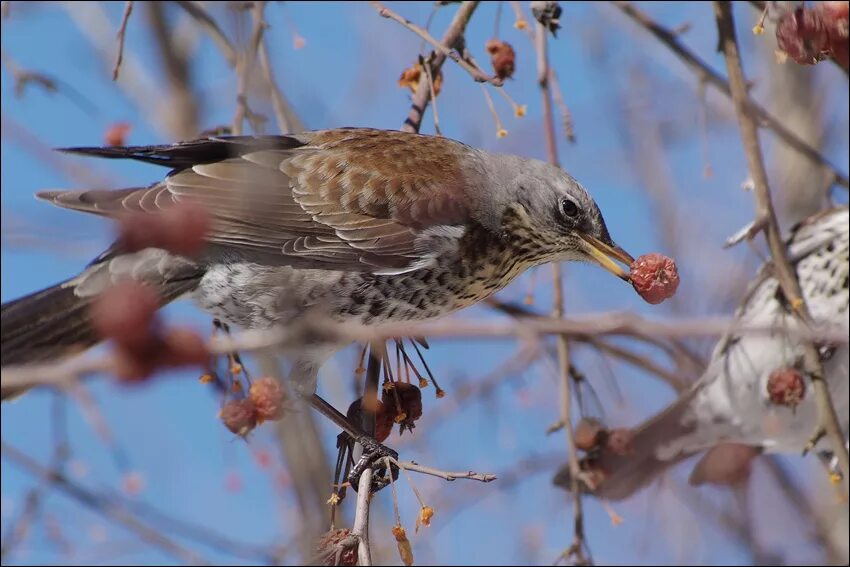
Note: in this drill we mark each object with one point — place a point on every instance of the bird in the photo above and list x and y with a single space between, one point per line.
730 403
351 224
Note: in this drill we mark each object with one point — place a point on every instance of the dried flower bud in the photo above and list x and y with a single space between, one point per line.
786 387
655 277
411 76
133 483
239 416
268 398
408 407
404 548
116 134
424 518
502 57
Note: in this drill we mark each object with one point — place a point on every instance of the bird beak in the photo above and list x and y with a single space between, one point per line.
605 254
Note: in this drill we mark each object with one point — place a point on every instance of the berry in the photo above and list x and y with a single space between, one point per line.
786 387
502 57
654 277
239 416
268 398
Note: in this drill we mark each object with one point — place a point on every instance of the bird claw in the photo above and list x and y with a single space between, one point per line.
374 455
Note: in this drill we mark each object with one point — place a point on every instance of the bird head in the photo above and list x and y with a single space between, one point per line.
551 216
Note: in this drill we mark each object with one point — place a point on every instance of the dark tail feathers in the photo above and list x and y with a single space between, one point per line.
55 322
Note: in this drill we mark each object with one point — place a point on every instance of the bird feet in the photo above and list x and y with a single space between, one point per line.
374 455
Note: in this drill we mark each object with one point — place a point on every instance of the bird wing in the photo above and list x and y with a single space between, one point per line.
350 199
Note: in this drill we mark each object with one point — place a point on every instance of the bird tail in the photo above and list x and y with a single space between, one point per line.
627 471
56 322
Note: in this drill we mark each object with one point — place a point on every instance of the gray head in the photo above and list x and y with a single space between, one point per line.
553 211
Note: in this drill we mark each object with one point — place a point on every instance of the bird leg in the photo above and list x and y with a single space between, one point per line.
374 453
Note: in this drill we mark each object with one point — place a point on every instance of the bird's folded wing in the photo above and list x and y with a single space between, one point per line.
351 199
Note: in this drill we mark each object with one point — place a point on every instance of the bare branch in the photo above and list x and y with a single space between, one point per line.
244 66
444 49
423 91
209 25
122 31
446 475
705 73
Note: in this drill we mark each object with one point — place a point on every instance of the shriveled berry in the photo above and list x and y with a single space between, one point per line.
116 134
502 57
404 403
332 547
268 398
811 34
655 277
786 387
588 433
239 416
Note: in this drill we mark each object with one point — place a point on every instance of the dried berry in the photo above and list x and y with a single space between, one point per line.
116 134
786 387
810 35
333 548
588 434
268 398
654 277
404 403
239 416
502 57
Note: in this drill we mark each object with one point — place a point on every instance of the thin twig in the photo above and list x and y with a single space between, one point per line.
578 545
446 475
244 68
705 73
212 28
122 31
443 48
287 121
433 94
450 38
102 506
784 273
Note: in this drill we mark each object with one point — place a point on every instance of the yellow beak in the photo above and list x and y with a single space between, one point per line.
604 255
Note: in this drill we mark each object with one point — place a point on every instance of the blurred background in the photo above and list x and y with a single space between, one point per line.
657 148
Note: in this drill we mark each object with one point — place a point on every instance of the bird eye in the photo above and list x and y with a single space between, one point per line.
569 208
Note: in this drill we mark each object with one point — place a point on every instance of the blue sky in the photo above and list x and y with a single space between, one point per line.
346 76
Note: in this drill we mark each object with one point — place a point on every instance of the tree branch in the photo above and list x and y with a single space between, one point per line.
713 78
423 90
